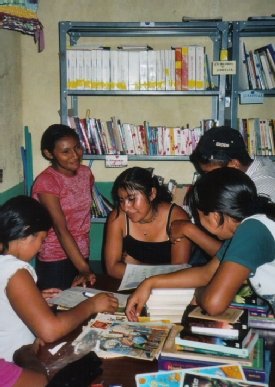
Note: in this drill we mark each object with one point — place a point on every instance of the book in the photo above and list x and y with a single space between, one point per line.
160 379
196 378
73 296
137 340
213 327
171 350
191 378
246 298
230 315
257 371
241 348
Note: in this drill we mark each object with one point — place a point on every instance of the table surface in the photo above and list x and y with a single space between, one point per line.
121 371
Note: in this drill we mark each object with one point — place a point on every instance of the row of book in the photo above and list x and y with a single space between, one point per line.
259 135
180 68
257 67
115 137
101 206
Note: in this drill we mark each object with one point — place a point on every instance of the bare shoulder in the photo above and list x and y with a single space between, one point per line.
116 219
179 213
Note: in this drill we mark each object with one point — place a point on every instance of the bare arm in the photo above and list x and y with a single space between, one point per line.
182 229
219 293
63 234
31 307
188 278
181 251
113 246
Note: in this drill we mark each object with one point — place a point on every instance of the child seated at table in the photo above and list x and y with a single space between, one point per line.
25 314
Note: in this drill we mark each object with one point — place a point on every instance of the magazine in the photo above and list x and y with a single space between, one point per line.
135 274
116 336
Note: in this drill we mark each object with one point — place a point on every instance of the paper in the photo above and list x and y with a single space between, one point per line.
135 274
73 296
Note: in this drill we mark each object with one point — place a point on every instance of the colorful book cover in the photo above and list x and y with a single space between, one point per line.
218 344
160 379
197 380
232 371
218 328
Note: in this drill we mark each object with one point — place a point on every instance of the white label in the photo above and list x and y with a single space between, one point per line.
223 67
116 161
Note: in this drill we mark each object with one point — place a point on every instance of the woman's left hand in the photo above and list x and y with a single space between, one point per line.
47 294
84 279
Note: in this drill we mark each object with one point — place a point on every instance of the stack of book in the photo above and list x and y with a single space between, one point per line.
168 304
226 334
203 341
246 298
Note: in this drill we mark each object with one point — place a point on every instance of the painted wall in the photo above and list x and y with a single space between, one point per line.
29 81
40 72
11 130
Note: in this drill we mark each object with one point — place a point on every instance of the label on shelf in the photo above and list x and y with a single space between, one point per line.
251 96
116 161
223 67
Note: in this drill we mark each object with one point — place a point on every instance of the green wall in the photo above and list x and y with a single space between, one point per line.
14 191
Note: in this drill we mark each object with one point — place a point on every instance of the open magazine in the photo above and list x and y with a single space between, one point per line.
113 334
135 274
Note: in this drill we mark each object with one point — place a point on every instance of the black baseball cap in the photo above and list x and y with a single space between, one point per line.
221 143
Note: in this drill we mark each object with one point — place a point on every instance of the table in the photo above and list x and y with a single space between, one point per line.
122 371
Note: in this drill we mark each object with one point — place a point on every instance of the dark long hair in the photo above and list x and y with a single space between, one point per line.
142 180
231 192
20 217
53 134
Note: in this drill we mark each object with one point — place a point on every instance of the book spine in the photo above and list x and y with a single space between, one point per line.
134 70
178 68
166 363
184 68
152 70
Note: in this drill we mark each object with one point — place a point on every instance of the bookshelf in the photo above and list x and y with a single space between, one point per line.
71 34
254 33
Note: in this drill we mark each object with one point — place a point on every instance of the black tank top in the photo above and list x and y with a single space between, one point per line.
150 253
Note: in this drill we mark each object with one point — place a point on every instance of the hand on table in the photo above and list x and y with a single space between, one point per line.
84 279
47 294
137 301
105 302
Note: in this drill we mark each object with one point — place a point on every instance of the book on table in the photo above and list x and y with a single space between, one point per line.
195 378
258 371
196 325
171 350
246 298
168 304
116 336
195 342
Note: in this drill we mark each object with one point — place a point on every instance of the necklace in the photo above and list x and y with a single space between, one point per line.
150 220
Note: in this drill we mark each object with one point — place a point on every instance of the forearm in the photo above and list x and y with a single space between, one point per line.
188 278
72 251
116 270
207 243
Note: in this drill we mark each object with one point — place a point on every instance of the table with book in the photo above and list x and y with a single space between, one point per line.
233 350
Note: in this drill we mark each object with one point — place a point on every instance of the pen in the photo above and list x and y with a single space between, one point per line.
87 294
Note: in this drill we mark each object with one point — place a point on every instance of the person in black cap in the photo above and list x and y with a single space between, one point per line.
222 147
